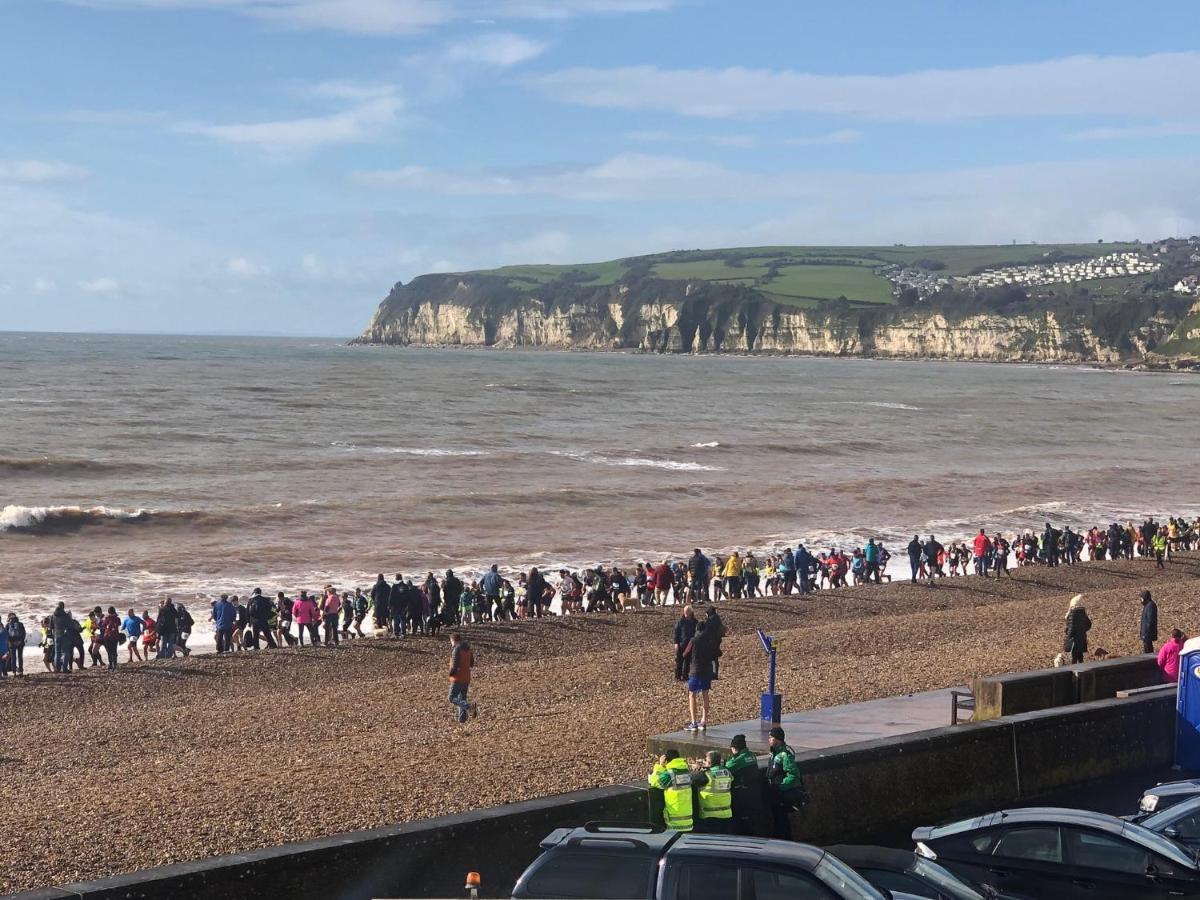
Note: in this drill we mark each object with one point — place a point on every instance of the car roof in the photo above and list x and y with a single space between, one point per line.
1169 788
855 855
1049 814
789 853
639 839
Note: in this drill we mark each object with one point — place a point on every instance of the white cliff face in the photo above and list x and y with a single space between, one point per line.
685 326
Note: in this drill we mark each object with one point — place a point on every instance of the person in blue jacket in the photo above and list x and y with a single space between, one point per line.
224 618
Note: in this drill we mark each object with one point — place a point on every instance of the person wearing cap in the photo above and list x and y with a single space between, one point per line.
785 785
746 794
672 776
1148 629
714 791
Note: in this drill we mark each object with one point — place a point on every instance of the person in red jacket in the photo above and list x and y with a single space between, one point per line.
462 661
983 549
110 635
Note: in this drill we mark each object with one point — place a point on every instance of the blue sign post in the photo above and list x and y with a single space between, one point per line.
772 703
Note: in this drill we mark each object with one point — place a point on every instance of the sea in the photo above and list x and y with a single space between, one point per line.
133 467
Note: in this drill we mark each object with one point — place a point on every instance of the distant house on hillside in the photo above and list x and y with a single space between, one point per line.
1188 284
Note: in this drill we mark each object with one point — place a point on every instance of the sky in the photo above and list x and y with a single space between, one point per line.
275 166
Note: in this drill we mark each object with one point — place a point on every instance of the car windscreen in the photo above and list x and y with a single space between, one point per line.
1156 843
592 875
1161 820
843 879
948 884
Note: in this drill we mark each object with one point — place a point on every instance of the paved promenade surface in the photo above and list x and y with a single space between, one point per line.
160 763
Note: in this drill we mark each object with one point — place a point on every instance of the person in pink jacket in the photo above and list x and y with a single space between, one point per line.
329 614
1168 656
304 613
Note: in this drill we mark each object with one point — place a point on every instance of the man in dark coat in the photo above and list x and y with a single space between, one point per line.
685 630
452 588
1148 631
749 788
933 553
803 561
381 592
915 549
535 593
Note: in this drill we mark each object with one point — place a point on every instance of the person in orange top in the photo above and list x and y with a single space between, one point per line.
462 661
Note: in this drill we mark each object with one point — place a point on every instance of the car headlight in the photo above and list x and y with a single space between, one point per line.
925 850
1149 803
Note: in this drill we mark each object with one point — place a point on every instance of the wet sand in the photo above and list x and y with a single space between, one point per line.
162 763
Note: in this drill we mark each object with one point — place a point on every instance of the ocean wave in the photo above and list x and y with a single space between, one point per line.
635 461
52 519
411 451
708 444
48 465
883 404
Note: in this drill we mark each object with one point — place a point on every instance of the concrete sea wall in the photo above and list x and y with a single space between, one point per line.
857 791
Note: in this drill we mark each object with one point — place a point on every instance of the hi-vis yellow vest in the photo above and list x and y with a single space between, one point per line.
675 780
716 798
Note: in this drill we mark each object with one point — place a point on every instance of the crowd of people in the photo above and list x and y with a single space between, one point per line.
403 607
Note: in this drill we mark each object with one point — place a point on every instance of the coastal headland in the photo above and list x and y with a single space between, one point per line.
165 762
1112 304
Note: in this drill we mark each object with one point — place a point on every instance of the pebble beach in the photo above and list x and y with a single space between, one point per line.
167 762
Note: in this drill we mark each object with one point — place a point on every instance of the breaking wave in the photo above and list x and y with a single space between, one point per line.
57 519
636 461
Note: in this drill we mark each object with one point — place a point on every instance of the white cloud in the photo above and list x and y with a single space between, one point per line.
103 285
240 267
840 136
1069 200
388 17
1117 133
44 286
501 49
1158 84
34 171
361 122
716 140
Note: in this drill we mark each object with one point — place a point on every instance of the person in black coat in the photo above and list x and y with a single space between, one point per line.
1148 631
381 593
915 549
535 593
1077 627
749 792
933 553
452 588
685 630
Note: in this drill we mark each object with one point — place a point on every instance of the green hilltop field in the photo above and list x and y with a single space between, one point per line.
805 276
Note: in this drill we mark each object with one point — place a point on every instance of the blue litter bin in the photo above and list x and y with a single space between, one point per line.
1187 708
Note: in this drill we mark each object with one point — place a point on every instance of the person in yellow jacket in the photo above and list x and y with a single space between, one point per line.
733 576
714 793
672 776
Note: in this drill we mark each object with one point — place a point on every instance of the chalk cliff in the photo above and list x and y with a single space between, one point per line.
655 315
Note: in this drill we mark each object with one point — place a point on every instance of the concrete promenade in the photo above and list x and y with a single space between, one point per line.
822 729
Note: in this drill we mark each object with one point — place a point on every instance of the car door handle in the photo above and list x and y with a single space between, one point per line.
1084 883
1003 873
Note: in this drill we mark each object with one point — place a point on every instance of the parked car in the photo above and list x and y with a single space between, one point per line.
1063 854
1165 795
631 862
904 870
1180 822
